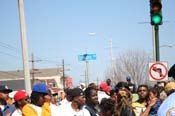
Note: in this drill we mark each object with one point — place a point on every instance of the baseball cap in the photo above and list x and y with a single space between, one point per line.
77 92
83 84
103 86
41 88
4 88
52 92
128 78
20 95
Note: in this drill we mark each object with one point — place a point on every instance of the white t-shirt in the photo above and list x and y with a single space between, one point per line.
2 107
17 112
37 108
86 112
67 110
64 101
55 110
101 95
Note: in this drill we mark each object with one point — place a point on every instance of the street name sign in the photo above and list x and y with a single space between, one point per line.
85 57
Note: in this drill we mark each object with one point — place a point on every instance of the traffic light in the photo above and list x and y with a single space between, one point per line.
156 12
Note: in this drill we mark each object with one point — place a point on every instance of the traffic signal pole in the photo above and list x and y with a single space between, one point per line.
153 44
156 20
157 53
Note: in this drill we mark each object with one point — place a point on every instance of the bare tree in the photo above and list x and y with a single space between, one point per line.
133 63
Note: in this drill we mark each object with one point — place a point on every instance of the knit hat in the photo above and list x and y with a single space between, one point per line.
20 95
169 87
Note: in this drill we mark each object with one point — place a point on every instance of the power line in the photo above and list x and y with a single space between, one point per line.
5 45
7 54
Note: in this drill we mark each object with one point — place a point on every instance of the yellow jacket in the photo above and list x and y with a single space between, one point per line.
28 110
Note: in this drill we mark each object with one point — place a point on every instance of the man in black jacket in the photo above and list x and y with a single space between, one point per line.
5 108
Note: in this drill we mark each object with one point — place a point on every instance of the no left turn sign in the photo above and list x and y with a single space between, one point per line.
158 71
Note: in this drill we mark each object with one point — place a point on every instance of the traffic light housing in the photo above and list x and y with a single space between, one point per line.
156 12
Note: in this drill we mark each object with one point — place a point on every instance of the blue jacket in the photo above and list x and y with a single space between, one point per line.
8 109
168 106
155 107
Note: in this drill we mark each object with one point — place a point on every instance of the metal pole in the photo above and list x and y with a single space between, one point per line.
111 56
156 27
85 79
24 47
87 72
63 75
153 43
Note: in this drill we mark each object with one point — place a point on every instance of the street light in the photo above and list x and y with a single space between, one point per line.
167 45
111 53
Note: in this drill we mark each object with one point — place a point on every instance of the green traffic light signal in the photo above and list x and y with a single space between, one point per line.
156 12
156 19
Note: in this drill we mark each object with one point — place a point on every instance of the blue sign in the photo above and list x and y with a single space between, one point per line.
85 57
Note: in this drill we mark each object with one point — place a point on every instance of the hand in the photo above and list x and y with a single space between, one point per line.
9 114
152 102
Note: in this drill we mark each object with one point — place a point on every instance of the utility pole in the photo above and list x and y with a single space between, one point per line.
97 81
85 79
112 59
24 47
33 68
111 56
64 86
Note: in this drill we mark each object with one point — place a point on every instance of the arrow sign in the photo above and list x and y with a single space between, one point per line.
158 71
85 57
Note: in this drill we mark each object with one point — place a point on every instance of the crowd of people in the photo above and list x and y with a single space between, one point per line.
125 99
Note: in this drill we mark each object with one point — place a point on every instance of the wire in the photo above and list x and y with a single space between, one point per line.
9 46
8 54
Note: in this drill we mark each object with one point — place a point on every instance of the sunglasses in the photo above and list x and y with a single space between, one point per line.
27 99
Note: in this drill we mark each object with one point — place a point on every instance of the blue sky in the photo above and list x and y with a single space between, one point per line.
58 29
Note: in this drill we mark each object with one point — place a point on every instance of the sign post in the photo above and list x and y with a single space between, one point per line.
86 58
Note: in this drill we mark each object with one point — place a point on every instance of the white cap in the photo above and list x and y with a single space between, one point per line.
83 84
